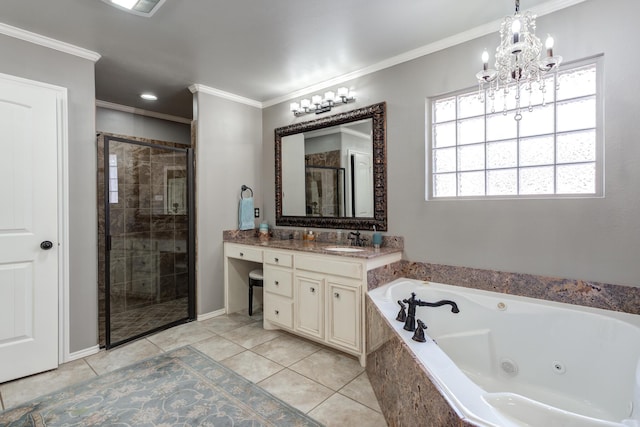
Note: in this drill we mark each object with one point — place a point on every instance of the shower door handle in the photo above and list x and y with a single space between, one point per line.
46 245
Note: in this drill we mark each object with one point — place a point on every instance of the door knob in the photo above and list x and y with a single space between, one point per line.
46 245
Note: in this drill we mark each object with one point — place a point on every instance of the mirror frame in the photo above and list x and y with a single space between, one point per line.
377 112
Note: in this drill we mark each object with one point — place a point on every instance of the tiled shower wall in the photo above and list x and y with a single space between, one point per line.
149 258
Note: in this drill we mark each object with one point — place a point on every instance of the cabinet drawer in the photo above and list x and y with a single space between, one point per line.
327 265
278 310
243 252
278 281
278 258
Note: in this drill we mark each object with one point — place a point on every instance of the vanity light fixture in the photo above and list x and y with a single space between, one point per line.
321 104
138 7
149 97
518 61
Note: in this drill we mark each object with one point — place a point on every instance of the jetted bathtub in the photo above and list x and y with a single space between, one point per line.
505 360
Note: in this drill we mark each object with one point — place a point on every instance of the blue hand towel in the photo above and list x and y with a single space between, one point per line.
245 214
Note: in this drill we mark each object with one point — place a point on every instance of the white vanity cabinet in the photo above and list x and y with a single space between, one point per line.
318 296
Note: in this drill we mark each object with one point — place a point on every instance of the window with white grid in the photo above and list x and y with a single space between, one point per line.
477 149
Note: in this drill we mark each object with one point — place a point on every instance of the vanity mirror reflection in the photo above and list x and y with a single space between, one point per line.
331 172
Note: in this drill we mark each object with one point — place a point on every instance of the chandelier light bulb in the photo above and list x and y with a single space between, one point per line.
294 107
485 60
515 29
316 99
548 44
305 103
343 92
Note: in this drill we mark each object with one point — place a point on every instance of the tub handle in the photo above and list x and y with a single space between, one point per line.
402 314
419 334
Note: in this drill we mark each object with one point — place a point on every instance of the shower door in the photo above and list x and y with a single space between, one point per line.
149 240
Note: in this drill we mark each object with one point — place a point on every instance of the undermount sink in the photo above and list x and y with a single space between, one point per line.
342 249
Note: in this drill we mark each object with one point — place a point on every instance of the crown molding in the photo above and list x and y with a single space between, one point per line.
226 95
58 45
141 112
465 36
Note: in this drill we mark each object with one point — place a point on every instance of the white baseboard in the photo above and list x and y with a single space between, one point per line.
83 353
211 315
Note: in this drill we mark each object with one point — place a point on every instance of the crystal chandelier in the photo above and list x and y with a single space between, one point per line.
518 63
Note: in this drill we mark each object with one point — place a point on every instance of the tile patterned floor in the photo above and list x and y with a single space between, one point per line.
327 385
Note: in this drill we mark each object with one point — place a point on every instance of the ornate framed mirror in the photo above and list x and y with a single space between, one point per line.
332 172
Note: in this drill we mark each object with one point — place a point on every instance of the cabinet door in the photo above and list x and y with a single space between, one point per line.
309 306
343 311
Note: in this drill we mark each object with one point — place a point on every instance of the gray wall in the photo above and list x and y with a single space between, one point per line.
228 155
128 124
594 239
35 62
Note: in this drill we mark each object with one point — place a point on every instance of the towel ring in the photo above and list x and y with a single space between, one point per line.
243 189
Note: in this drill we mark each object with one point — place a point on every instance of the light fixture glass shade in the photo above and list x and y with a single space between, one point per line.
319 104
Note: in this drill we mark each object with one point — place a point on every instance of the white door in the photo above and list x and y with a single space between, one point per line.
29 134
362 185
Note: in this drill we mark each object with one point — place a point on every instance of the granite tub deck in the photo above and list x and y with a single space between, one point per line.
403 388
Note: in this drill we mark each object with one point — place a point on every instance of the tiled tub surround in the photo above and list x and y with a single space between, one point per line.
401 384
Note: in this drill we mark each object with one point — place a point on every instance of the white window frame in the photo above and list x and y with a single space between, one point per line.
599 131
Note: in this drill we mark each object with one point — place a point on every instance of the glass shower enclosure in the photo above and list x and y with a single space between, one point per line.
148 244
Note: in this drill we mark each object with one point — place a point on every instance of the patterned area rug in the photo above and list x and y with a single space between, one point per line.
180 388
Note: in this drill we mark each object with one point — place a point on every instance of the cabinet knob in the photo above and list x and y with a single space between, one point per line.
337 295
312 290
241 253
277 283
276 260
277 312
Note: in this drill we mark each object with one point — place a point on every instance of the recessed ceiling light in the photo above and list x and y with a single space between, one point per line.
127 4
138 7
149 97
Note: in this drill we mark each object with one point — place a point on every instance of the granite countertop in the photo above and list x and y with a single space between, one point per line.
367 252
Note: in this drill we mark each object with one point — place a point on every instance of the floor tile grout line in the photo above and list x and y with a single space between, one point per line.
89 364
355 400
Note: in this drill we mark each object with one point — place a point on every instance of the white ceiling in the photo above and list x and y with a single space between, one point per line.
263 50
